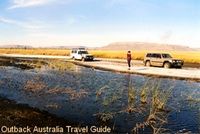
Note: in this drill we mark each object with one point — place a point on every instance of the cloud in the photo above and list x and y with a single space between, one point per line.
7 21
27 25
28 3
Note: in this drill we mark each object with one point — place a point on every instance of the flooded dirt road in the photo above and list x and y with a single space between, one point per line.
127 103
121 66
184 74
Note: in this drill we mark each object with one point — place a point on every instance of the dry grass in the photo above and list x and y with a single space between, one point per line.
35 51
74 95
187 56
34 86
150 101
60 65
105 116
138 55
158 113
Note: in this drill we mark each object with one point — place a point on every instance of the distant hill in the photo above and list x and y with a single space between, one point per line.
117 46
64 47
145 46
15 46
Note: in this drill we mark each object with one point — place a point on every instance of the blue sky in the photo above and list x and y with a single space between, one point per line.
99 22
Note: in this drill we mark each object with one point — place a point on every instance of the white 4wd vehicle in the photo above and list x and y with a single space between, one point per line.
81 54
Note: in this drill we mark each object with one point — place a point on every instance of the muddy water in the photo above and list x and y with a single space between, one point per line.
94 97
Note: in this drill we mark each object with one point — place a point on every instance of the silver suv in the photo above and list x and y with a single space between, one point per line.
162 59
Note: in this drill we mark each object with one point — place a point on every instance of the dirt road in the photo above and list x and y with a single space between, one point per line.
185 73
121 66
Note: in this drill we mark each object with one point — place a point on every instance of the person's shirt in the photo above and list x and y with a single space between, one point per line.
128 56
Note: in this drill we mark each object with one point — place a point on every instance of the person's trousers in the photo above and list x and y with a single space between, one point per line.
129 63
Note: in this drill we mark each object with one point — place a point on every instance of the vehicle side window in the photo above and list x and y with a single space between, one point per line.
79 52
154 55
164 55
148 55
158 56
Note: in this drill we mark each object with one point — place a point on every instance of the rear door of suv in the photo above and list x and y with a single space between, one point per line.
156 59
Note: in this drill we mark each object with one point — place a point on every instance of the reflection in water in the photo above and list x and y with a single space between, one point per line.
125 102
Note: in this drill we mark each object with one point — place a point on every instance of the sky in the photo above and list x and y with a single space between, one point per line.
97 23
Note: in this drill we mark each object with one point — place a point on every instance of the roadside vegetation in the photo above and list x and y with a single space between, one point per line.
149 102
187 56
38 51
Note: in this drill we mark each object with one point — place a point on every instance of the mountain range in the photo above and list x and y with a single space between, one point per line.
146 46
121 46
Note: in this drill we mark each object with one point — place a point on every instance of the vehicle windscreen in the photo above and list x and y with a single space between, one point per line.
82 52
73 51
166 56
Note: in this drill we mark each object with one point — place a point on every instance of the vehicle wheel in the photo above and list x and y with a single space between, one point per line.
179 67
148 64
167 65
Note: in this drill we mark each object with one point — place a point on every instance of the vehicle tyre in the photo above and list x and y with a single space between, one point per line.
147 63
179 67
167 65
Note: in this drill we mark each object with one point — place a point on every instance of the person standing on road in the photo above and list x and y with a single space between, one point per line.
129 59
